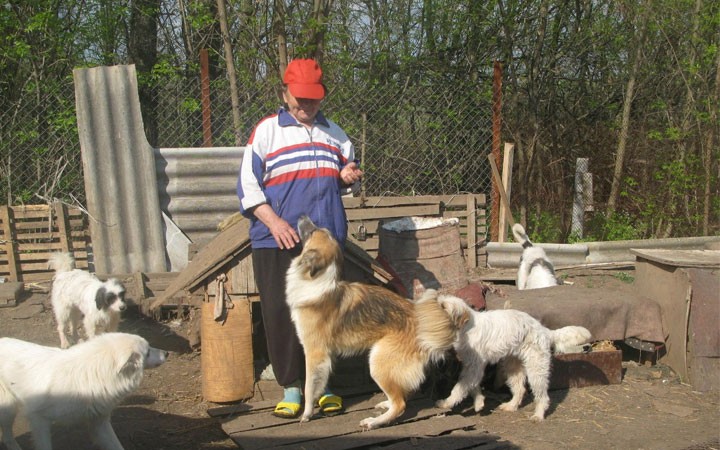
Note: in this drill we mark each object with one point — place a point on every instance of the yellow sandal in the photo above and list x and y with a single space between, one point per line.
330 404
287 410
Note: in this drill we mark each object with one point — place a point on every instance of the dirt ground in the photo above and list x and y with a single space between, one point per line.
650 409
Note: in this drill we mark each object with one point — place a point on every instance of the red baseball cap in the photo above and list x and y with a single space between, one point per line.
304 79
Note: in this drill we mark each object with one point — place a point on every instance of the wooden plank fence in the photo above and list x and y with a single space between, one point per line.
30 234
366 214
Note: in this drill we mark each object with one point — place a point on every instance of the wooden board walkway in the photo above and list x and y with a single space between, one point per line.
253 427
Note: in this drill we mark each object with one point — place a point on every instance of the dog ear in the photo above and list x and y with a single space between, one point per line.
101 298
461 320
312 261
132 365
456 308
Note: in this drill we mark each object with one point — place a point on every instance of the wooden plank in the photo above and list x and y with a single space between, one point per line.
457 200
466 438
26 227
506 177
470 255
398 211
709 259
63 225
501 190
252 431
414 432
30 209
259 416
212 256
6 216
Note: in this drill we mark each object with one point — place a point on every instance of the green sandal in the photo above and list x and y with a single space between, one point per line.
330 404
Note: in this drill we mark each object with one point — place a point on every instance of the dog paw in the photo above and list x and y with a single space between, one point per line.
479 404
305 418
367 424
507 406
444 404
537 418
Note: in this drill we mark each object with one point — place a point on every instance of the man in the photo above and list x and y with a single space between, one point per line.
297 162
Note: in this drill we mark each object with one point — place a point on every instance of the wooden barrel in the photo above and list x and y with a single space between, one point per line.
426 258
226 357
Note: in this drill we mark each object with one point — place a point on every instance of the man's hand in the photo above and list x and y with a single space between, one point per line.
285 236
351 173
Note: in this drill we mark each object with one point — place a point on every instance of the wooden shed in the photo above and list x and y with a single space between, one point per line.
224 267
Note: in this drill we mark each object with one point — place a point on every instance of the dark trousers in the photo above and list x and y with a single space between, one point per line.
284 349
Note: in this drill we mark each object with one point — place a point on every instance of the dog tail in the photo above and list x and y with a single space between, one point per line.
520 235
570 339
61 262
436 328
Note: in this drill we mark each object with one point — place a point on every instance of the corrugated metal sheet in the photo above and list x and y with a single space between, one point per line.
197 187
120 183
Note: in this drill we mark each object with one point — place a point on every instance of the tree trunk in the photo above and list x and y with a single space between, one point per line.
280 34
620 153
316 36
142 51
708 160
230 65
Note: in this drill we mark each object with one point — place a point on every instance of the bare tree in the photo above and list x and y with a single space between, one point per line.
621 150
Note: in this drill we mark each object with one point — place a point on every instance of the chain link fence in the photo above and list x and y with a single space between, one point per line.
421 138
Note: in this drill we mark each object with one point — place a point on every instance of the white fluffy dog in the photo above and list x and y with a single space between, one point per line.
515 339
78 296
536 270
82 384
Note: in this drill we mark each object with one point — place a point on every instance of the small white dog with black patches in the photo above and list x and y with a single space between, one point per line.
78 385
536 270
79 296
516 340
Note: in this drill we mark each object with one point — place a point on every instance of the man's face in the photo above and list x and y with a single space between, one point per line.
303 109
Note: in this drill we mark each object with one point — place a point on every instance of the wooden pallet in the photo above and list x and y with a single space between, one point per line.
30 234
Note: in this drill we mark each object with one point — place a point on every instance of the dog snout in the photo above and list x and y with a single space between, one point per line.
123 307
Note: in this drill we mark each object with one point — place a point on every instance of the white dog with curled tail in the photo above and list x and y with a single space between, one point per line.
536 270
521 345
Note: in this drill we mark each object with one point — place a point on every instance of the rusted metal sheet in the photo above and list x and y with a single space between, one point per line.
126 226
686 286
703 332
586 369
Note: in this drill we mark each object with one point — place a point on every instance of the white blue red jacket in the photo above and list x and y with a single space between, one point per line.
296 171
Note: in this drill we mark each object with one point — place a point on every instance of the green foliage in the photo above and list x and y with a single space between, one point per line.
619 226
544 227
624 277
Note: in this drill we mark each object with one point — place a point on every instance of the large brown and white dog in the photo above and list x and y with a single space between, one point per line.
336 318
